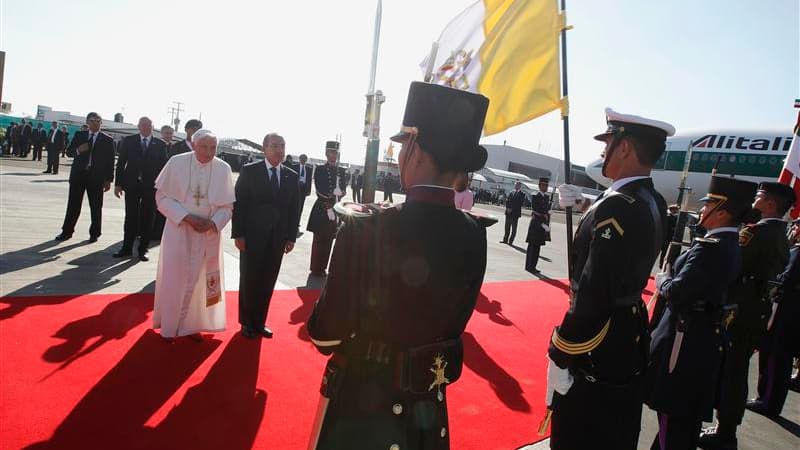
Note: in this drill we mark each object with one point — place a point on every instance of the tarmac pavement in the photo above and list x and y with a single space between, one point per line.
32 207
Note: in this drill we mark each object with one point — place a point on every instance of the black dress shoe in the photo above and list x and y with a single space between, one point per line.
47 171
759 407
143 257
92 239
122 254
267 333
711 439
249 333
63 237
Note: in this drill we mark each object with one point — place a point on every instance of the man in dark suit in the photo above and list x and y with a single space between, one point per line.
141 158
25 134
92 172
539 226
186 145
265 222
514 203
356 183
55 145
388 188
38 138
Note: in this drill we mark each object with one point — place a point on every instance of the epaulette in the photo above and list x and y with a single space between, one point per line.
482 217
745 236
707 240
353 210
627 197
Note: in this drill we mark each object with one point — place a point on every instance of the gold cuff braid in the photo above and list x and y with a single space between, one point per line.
578 348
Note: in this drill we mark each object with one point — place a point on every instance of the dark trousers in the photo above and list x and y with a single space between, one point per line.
37 152
774 373
532 256
357 195
258 272
511 225
388 196
677 433
158 226
733 381
75 200
140 203
52 161
320 252
597 416
24 147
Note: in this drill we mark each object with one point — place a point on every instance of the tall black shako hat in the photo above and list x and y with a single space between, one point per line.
734 194
331 146
654 132
447 123
779 190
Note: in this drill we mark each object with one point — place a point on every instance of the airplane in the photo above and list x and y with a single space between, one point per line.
753 155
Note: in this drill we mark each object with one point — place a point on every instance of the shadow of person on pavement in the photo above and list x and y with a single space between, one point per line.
92 273
112 322
34 255
112 415
225 410
506 387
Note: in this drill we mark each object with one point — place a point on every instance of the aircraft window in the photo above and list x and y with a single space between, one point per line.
732 159
742 159
704 157
772 161
695 157
762 160
751 159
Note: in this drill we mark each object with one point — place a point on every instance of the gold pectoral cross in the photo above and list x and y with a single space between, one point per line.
197 196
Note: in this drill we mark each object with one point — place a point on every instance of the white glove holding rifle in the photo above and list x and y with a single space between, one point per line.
569 195
558 380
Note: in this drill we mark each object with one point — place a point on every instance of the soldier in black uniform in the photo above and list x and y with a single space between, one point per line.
689 336
403 285
322 221
599 352
539 226
765 252
783 337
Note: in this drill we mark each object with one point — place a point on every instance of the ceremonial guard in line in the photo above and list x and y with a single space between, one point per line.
599 352
765 252
539 226
782 342
330 182
689 337
403 283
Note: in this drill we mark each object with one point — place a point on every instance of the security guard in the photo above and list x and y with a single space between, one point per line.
783 337
599 352
330 181
689 338
765 252
539 226
403 283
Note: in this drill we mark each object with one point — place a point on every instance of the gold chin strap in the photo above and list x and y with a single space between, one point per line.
721 200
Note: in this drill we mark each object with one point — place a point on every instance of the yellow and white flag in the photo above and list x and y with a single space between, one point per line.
506 50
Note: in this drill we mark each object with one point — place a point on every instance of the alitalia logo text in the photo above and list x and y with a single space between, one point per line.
743 143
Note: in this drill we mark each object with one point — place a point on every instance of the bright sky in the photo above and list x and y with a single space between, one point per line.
301 68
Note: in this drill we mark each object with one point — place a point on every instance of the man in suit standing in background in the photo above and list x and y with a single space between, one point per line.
141 158
356 183
38 138
514 203
92 172
55 145
265 222
186 145
305 174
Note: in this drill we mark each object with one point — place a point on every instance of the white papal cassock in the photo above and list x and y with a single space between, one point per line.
190 290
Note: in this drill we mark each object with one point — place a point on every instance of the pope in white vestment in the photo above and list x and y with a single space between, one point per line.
190 290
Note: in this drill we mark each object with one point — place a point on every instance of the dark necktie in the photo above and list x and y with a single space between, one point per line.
144 146
273 180
91 147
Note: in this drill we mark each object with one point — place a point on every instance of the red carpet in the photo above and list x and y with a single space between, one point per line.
87 372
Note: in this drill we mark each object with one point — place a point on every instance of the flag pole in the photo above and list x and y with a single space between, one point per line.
372 118
565 118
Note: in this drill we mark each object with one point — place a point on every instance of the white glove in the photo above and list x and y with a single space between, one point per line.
558 380
661 277
568 195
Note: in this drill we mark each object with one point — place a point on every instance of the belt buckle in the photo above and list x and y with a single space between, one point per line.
590 379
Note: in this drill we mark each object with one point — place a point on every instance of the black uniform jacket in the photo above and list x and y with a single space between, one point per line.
97 164
785 330
695 297
260 216
325 182
540 214
514 203
401 279
765 252
604 332
177 148
135 165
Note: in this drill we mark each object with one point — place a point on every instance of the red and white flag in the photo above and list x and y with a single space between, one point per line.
790 175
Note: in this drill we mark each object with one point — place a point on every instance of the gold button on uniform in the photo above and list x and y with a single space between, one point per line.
394 447
444 432
397 409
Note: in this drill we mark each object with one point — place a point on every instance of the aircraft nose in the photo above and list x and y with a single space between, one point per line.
595 172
